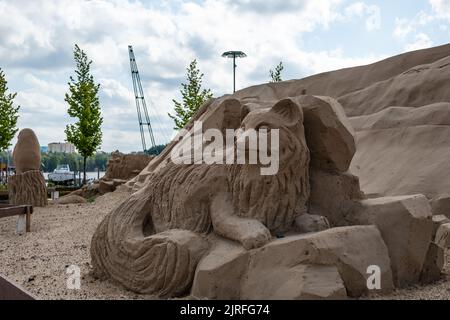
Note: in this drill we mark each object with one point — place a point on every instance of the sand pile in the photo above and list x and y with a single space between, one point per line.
400 110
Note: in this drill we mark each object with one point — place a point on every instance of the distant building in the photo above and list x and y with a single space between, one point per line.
44 149
66 147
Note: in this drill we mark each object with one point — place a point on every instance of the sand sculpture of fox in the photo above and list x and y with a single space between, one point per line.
153 241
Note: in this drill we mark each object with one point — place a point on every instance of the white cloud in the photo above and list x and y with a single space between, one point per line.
335 59
372 13
421 41
403 27
411 30
441 8
37 38
114 89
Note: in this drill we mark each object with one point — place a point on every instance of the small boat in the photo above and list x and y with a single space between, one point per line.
62 173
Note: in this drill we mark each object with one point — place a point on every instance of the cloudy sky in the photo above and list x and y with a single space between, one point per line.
309 36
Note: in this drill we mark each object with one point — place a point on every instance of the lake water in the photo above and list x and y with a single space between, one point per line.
89 175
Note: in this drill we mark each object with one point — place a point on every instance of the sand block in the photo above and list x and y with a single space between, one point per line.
329 134
441 205
443 236
302 282
434 263
406 226
324 265
126 166
219 273
71 198
352 250
311 223
118 182
345 191
87 191
318 282
105 186
438 221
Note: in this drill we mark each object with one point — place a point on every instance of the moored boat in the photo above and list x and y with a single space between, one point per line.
62 173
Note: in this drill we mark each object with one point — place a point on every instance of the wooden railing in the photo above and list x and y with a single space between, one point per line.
24 212
11 291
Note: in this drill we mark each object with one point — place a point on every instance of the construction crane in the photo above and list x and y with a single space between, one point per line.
141 106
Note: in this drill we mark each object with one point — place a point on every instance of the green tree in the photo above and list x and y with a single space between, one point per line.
8 114
156 150
84 105
276 75
193 97
51 160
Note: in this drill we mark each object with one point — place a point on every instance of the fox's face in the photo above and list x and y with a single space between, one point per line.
277 198
282 124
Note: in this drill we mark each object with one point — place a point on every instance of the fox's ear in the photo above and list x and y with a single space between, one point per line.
288 111
245 110
231 113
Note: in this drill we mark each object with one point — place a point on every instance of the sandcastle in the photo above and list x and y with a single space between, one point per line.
226 232
27 186
120 168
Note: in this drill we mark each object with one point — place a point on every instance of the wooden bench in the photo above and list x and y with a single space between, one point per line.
11 291
4 196
24 212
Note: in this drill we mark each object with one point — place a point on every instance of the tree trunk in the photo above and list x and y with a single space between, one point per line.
84 170
28 188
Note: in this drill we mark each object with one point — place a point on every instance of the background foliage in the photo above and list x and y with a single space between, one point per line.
193 96
8 114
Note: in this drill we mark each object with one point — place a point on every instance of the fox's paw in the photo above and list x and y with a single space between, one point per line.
256 236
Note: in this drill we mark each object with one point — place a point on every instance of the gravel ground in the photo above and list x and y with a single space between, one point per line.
436 291
61 237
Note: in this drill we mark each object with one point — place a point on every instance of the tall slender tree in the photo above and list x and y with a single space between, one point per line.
275 75
193 96
8 114
84 105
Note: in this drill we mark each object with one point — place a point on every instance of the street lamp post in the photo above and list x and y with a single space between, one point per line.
234 55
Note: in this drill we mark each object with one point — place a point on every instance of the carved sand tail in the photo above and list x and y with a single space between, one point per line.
162 263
